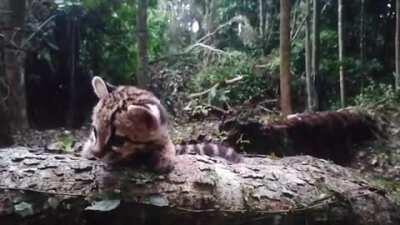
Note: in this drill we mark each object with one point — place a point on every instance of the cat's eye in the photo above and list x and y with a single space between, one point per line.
94 131
117 141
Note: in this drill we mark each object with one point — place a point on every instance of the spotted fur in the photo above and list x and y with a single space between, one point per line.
129 123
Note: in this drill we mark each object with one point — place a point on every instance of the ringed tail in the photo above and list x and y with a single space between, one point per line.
209 149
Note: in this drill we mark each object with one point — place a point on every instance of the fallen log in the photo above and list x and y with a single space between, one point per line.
37 187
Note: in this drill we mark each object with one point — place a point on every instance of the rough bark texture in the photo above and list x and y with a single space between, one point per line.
397 44
15 65
284 51
142 76
315 55
261 25
73 29
5 134
308 49
362 31
340 46
42 188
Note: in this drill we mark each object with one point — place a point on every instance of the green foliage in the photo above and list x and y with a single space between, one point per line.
67 142
157 27
224 68
273 61
109 36
377 94
392 186
357 74
64 142
234 65
109 45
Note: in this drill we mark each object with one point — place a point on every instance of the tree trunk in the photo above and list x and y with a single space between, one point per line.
210 16
15 66
308 50
362 32
142 76
41 188
397 43
269 21
263 24
73 62
5 136
284 49
340 45
315 55
261 18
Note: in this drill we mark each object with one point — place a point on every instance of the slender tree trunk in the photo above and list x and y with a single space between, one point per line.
308 57
73 61
397 75
269 19
210 16
15 67
362 32
261 18
142 77
284 49
262 28
5 136
340 44
315 55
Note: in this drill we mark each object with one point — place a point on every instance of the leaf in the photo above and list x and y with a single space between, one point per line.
157 200
104 205
23 209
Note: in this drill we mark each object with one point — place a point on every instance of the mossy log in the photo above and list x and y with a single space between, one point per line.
37 187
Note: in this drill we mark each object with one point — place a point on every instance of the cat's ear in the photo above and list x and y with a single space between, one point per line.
100 87
146 117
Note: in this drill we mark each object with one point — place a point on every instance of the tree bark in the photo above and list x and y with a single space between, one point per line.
362 32
397 46
284 49
42 188
308 49
340 45
142 76
5 134
269 21
261 18
73 27
315 55
15 66
210 16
